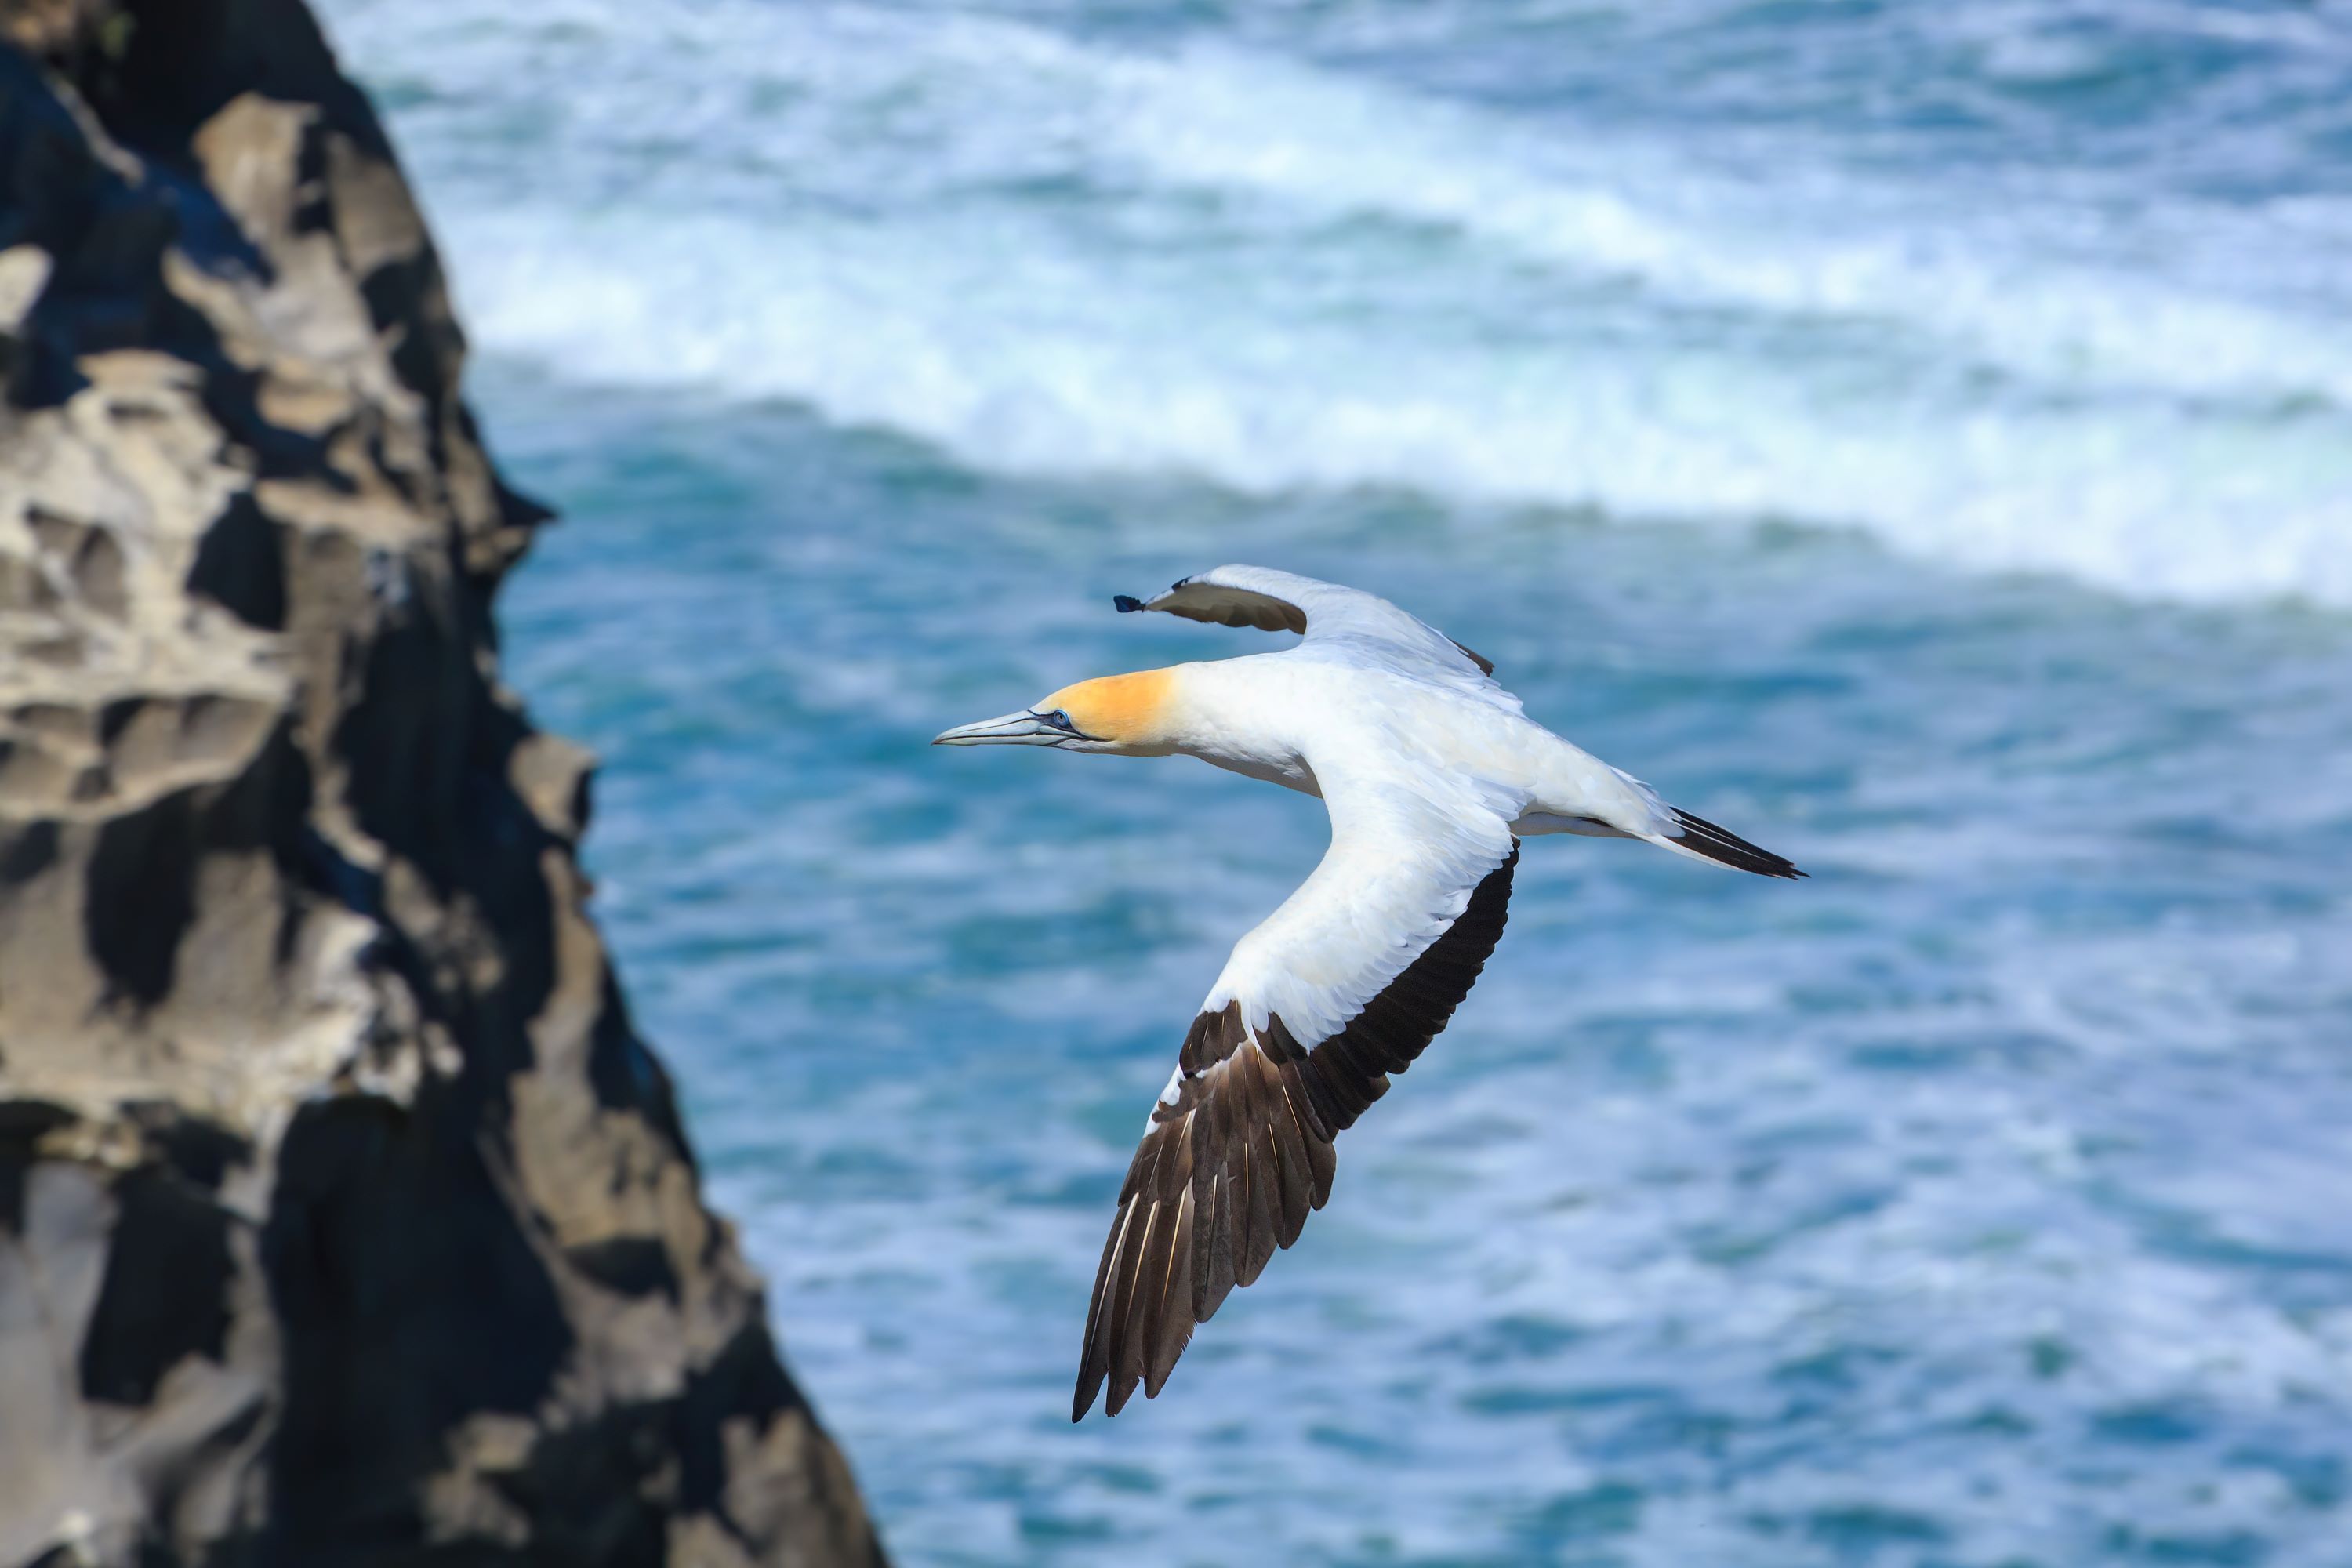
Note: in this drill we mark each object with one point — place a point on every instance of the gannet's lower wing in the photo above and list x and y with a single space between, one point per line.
1344 984
1324 612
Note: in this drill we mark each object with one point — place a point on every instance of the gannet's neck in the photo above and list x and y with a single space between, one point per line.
1251 716
1245 714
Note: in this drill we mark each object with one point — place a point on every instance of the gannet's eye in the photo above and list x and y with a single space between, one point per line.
1060 720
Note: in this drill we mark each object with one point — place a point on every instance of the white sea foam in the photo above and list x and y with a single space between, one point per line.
1059 256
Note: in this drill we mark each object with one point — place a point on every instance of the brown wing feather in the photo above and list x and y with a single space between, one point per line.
1485 666
1222 606
1227 1174
1219 605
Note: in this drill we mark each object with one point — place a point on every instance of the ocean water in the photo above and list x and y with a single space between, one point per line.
1917 438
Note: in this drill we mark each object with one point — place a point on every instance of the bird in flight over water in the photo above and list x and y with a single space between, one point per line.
1432 774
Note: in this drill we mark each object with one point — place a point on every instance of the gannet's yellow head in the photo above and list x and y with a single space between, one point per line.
1132 715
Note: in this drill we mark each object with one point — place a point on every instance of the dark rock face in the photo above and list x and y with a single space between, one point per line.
343 1216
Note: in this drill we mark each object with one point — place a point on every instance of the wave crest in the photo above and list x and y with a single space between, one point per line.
1060 257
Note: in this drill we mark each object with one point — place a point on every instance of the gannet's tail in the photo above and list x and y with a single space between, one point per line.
1587 795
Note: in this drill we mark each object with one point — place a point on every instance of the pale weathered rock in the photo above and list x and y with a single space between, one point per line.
343 1217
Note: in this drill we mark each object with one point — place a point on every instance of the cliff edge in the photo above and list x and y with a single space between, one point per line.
343 1216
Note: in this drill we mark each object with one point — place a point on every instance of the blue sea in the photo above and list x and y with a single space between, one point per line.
1918 437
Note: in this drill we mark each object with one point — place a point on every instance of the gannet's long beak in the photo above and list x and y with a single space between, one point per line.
1022 728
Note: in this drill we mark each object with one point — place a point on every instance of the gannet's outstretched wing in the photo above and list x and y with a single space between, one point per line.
1325 612
1344 984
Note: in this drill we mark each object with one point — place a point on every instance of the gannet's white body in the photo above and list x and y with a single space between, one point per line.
1432 773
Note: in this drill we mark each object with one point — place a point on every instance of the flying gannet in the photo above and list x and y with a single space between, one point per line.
1432 774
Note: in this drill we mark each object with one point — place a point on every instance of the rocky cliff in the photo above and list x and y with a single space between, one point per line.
343 1216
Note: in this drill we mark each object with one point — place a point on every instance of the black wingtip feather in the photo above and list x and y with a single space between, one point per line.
1125 603
1729 848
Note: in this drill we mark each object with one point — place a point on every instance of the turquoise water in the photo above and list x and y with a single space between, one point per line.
1922 443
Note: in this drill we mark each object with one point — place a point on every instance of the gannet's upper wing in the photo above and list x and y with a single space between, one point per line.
1342 985
1325 612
